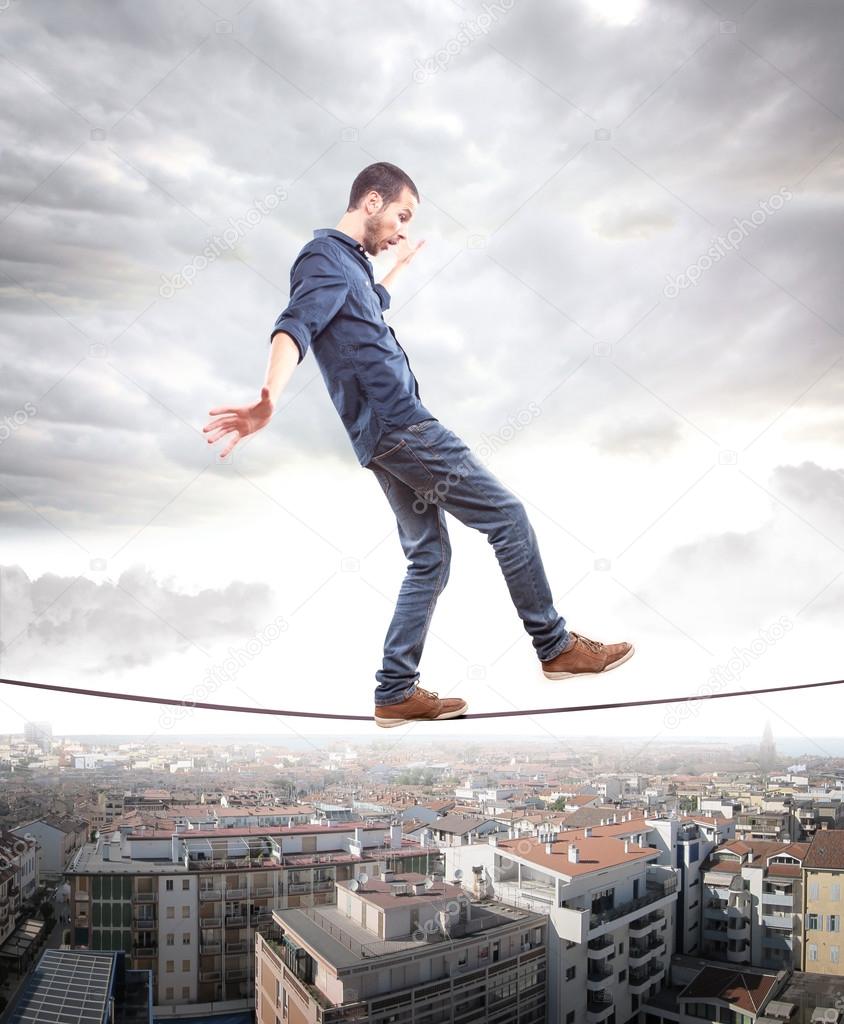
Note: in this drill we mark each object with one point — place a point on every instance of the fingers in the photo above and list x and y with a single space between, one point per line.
220 422
222 409
222 432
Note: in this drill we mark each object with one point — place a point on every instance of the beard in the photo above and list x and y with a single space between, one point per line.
372 234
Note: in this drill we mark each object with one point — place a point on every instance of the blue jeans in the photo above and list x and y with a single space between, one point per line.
425 471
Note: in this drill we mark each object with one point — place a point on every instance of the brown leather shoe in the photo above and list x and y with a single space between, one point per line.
421 705
586 656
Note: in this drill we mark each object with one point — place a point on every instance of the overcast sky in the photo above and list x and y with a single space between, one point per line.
633 215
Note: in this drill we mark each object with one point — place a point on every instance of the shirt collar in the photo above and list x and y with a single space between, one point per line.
353 242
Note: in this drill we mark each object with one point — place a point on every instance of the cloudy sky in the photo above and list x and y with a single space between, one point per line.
633 220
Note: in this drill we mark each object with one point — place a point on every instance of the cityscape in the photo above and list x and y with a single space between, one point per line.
341 880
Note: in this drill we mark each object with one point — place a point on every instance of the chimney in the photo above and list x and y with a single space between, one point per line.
587 832
548 847
574 853
627 846
642 840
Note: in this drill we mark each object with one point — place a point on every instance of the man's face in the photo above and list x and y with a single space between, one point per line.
388 225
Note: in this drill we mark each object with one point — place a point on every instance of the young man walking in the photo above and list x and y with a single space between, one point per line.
424 469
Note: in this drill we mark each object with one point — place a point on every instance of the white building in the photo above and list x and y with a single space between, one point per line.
610 899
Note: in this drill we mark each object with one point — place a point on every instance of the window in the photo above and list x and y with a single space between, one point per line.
570 973
835 891
813 890
833 923
168 993
812 951
622 975
621 947
168 884
186 965
833 954
284 1004
812 922
171 938
185 911
186 883
171 911
185 991
169 968
570 1017
185 938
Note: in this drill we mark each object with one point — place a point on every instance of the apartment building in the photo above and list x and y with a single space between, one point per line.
186 904
610 899
823 906
751 904
58 839
774 826
18 878
695 838
406 948
706 993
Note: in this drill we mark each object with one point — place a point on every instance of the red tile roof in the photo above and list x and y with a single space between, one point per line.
739 988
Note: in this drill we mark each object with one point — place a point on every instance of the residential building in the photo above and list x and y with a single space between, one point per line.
58 839
702 992
751 910
402 947
610 898
185 904
823 905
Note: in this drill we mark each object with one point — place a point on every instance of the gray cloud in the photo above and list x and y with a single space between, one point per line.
100 628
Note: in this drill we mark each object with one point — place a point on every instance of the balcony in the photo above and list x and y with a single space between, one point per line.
638 979
263 891
209 894
235 894
598 1005
740 954
210 922
661 884
597 974
782 921
238 974
146 897
235 921
601 946
235 947
145 924
778 899
209 975
210 947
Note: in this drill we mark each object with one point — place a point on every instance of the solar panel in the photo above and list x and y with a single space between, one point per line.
67 987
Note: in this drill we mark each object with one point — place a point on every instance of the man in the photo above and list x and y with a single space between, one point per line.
423 468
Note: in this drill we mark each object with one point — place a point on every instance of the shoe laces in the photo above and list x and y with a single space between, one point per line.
427 693
593 645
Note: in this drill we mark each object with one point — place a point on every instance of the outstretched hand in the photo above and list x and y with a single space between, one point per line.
238 420
406 250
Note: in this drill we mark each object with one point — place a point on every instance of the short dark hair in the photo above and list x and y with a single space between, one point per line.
386 179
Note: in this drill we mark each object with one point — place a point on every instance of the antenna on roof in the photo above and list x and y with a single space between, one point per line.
353 885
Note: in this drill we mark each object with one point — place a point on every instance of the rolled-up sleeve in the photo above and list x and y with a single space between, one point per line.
318 289
383 295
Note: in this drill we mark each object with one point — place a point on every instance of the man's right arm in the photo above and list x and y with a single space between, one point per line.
284 358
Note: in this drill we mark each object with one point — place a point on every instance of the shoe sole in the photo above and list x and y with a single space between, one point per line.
570 675
389 723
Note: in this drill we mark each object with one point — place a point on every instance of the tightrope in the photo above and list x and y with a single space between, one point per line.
286 713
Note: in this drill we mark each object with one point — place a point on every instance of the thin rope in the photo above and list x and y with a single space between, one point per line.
368 718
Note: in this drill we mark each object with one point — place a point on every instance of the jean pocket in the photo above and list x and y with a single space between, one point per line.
403 463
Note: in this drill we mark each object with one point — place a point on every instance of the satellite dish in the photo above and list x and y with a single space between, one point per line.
363 878
458 872
353 885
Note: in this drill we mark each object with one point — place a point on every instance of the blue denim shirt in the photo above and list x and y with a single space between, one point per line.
336 308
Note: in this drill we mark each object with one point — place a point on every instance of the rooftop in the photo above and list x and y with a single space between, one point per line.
826 850
594 853
746 988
